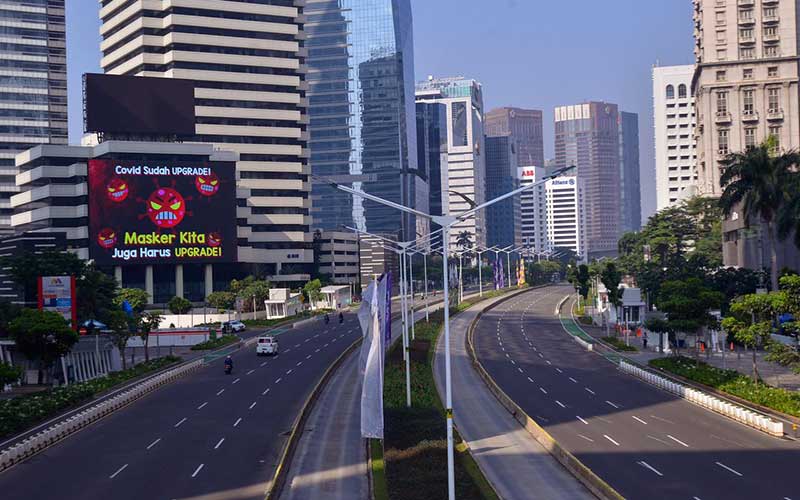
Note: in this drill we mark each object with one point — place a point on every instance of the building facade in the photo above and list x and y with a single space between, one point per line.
587 136
533 214
746 91
21 244
246 59
432 151
503 219
33 99
674 125
362 115
466 163
338 256
566 214
525 126
631 197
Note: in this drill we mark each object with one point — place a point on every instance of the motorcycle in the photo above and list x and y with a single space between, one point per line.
228 369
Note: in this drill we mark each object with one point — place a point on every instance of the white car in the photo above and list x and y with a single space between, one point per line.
266 346
234 326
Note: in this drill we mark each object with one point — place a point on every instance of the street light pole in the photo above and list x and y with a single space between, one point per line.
427 303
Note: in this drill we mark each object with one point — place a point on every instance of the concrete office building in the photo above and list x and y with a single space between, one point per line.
674 122
432 156
503 223
246 59
466 163
566 215
33 86
524 126
362 115
630 193
338 256
587 136
21 244
746 90
533 214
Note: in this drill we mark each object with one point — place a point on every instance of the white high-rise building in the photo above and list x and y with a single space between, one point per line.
532 207
674 117
466 162
246 61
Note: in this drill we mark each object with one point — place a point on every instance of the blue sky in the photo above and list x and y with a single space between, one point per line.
527 53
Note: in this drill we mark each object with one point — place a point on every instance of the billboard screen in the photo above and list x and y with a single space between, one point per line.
161 214
139 105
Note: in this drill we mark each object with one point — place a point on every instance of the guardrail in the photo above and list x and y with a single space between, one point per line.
46 438
738 413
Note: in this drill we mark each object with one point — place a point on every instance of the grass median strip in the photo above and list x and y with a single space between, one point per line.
23 412
415 445
731 382
618 344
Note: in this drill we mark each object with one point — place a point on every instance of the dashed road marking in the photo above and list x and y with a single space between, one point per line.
678 441
197 470
648 466
184 419
238 420
219 443
559 403
289 371
112 476
582 420
252 405
236 381
573 380
220 392
153 443
639 420
250 372
612 404
729 469
279 380
530 380
610 439
265 392
542 389
586 438
202 406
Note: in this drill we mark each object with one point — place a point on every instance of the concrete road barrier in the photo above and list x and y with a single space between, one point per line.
712 403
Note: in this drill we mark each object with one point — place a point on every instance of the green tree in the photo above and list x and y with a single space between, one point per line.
8 311
785 355
9 374
122 327
179 305
258 289
42 336
583 281
750 321
147 322
687 305
312 289
222 301
136 297
757 180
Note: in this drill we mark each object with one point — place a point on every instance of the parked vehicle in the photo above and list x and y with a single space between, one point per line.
266 346
234 326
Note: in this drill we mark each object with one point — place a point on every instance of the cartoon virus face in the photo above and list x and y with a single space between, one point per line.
117 190
107 238
214 240
207 185
166 207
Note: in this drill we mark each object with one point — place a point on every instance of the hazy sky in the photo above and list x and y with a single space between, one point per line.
526 53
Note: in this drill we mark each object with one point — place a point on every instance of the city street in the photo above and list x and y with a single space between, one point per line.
207 435
644 442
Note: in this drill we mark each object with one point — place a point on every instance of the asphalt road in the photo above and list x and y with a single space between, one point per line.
207 435
644 442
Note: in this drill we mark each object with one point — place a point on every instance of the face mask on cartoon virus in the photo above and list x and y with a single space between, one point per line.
166 207
207 185
107 238
117 190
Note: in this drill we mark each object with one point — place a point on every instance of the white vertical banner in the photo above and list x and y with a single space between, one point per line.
371 360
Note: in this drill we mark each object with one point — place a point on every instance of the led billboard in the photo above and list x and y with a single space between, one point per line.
161 214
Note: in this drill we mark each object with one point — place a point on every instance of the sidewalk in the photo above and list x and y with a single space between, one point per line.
502 448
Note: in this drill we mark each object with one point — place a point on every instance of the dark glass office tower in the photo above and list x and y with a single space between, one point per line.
525 127
503 219
33 98
631 199
432 150
362 130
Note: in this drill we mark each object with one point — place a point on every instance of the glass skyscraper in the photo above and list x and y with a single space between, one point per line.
362 130
33 77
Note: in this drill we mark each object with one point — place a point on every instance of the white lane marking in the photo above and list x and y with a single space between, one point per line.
289 372
573 380
298 345
663 420
541 355
236 381
612 404
508 356
586 438
542 389
639 420
317 350
559 403
238 420
729 469
112 476
606 436
265 392
184 419
202 406
589 391
306 340
250 372
299 363
503 348
153 443
279 380
698 498
326 345
513 362
264 364
308 357
220 392
252 405
287 350
197 470
648 466
219 444
548 361
530 380
678 441
656 439
520 370
559 370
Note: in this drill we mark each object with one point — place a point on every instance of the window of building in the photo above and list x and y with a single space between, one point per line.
749 137
746 14
772 71
720 18
721 36
721 76
722 54
773 99
748 101
770 32
722 102
770 12
747 74
670 92
681 91
722 141
771 51
745 34
775 137
747 53
459 112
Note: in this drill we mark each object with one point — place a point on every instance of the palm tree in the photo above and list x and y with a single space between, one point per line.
757 180
464 239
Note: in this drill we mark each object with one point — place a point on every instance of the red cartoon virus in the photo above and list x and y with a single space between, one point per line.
214 239
207 185
117 190
166 207
107 238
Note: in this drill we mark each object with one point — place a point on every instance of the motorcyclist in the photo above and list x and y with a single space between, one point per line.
228 364
327 318
341 318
